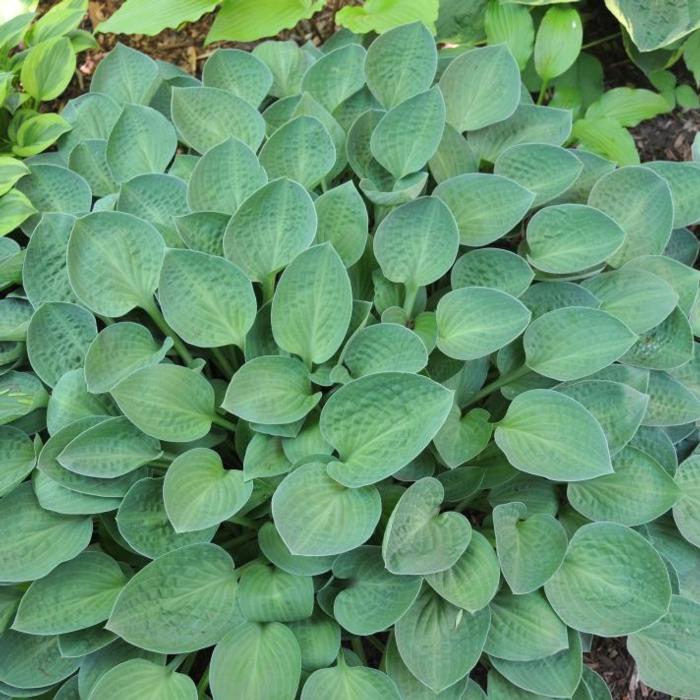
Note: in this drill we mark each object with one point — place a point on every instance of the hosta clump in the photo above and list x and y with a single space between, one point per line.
337 375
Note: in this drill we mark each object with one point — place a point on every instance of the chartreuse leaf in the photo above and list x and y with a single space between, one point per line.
224 177
666 651
239 72
181 602
119 350
618 407
206 299
607 497
199 493
373 599
524 628
408 135
11 170
476 321
102 252
351 682
380 422
417 242
492 267
567 238
513 26
47 68
548 434
167 402
301 150
388 57
270 229
140 678
58 337
558 41
530 548
312 305
611 582
640 202
17 457
75 595
15 209
420 540
379 17
468 87
440 643
571 343
29 661
316 516
206 116
485 206
142 141
36 541
271 389
628 106
258 660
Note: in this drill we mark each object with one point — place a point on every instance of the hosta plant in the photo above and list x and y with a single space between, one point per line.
337 374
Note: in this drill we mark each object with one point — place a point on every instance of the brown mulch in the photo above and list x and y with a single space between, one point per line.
666 137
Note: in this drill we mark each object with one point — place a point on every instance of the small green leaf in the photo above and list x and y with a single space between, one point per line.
48 68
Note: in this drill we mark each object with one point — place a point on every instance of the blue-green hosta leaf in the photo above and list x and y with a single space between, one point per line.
126 75
349 683
319 640
453 157
607 497
54 497
543 297
640 202
75 595
264 457
142 141
343 221
274 549
481 87
103 251
17 457
558 42
420 540
559 673
380 422
141 680
205 117
462 437
408 135
640 299
57 339
492 267
144 524
239 72
567 238
91 117
389 55
524 628
548 434
224 177
485 206
203 231
665 652
16 312
417 242
316 516
44 274
440 643
118 351
28 661
683 246
181 602
530 548
287 61
373 599
109 449
670 402
36 540
336 75
271 389
390 194
476 321
301 150
20 394
167 402
89 159
206 299
312 305
686 511
384 347
684 181
83 642
544 169
612 582
256 661
199 493
270 229
501 689
571 343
